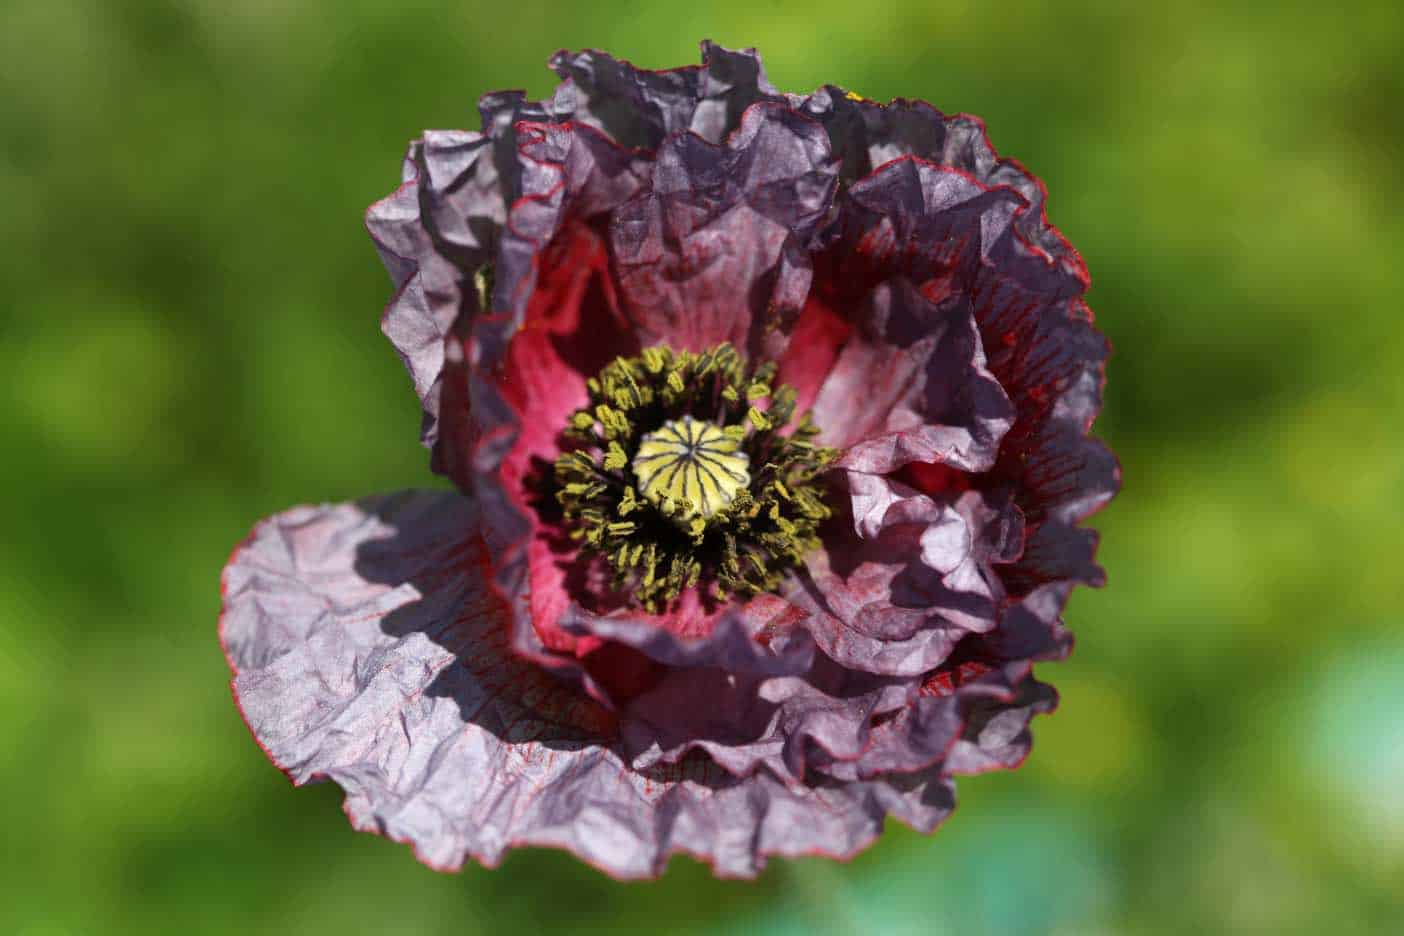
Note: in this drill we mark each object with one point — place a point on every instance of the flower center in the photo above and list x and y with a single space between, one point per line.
684 472
690 462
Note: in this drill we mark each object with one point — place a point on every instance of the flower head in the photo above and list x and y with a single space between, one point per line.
768 416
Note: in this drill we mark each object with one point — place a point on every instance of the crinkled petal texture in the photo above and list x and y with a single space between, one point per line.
370 650
472 679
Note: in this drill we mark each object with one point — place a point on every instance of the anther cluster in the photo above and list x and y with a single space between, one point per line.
740 499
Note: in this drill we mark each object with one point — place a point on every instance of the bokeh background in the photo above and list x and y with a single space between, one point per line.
190 311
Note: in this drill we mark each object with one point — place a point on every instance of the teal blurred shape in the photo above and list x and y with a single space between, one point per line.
1033 866
1352 745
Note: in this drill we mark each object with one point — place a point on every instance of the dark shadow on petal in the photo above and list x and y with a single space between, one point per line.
510 697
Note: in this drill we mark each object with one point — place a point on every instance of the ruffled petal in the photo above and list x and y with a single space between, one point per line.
910 385
431 296
996 734
436 234
1051 360
368 649
715 248
746 722
565 173
933 201
557 322
639 107
762 635
866 134
926 730
902 579
835 722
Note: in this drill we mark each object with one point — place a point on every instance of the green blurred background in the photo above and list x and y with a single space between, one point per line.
190 311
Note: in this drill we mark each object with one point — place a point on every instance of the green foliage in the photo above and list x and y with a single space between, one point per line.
191 342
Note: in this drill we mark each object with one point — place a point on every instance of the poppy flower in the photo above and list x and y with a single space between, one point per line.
767 416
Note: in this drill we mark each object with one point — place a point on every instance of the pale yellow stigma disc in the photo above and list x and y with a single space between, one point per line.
691 468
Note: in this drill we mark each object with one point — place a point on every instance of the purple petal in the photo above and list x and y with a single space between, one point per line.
956 365
569 177
996 734
710 710
926 191
420 318
524 383
565 171
368 649
922 219
639 107
1029 629
1050 359
758 636
894 593
867 134
747 722
714 249
911 386
572 175
836 722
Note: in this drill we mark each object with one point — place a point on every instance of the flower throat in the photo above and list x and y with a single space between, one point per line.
682 475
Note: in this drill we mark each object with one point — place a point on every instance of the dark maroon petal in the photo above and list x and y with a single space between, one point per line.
996 734
900 581
1050 359
910 385
745 722
867 134
566 173
914 738
550 263
521 403
925 731
639 107
1037 333
441 228
923 220
705 709
837 722
556 323
1035 250
1029 629
931 201
714 249
967 718
762 635
368 649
